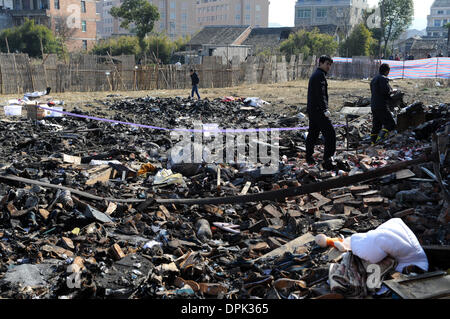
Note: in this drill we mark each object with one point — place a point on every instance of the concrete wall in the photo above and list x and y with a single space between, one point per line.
344 13
5 21
228 52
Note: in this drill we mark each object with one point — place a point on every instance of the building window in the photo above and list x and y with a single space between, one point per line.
321 12
258 7
84 45
83 26
173 16
247 17
238 17
172 4
304 13
83 6
56 3
440 12
437 23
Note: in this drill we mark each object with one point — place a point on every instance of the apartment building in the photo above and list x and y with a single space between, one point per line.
182 18
107 25
438 18
253 13
177 19
75 18
345 14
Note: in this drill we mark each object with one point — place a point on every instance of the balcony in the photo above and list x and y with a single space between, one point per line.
29 13
301 3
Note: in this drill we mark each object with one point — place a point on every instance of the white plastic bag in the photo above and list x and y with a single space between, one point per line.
255 101
393 238
13 110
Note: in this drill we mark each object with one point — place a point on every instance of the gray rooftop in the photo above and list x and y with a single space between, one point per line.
267 38
219 35
424 44
441 3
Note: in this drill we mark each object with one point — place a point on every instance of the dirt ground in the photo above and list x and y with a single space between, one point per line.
284 97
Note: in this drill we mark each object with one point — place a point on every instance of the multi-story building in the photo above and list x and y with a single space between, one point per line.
253 13
74 20
5 17
109 26
438 18
177 18
345 14
182 18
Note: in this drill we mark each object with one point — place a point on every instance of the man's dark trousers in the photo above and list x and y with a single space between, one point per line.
319 123
195 90
382 117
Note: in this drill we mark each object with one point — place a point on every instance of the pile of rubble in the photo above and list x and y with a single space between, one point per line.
90 209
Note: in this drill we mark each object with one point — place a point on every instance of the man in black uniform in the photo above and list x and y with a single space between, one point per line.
383 121
319 116
195 82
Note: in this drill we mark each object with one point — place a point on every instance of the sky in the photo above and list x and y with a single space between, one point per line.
281 13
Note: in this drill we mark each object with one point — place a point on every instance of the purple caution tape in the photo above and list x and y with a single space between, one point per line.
304 128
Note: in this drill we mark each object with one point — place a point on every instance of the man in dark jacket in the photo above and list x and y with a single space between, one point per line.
319 116
383 122
195 82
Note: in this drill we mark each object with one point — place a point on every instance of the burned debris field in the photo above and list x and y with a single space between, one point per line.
96 209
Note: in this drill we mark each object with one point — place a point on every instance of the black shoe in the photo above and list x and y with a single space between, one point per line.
373 138
328 165
310 161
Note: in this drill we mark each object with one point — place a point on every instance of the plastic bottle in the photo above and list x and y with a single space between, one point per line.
203 230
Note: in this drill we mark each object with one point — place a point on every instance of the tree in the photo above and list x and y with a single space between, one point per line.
374 26
27 39
161 47
447 26
396 17
62 31
359 43
341 17
117 46
309 43
139 12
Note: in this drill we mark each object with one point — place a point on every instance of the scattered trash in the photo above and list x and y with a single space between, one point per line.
167 177
121 210
255 101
